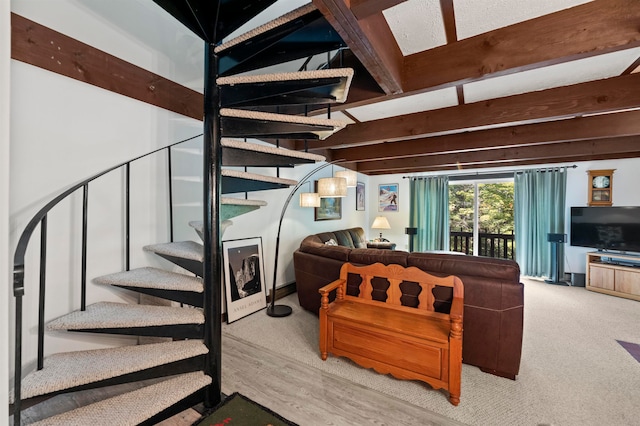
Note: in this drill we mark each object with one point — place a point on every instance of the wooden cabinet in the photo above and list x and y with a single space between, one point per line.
613 274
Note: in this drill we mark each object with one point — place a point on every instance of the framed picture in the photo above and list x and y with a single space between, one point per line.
245 288
360 199
388 197
330 208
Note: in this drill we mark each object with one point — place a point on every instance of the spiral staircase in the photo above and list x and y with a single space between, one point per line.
186 351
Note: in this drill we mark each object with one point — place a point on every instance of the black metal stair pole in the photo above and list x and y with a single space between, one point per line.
212 240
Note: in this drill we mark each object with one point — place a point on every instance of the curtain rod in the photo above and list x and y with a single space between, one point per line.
489 175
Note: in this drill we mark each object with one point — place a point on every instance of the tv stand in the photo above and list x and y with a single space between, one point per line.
613 274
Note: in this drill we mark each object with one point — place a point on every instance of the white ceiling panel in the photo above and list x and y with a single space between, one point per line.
417 25
422 102
582 70
475 17
337 115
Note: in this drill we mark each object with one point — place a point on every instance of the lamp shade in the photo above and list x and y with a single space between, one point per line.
309 199
350 176
380 222
332 187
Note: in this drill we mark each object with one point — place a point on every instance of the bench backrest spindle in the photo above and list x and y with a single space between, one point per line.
396 275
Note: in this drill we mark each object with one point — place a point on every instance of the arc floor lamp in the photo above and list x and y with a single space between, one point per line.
274 310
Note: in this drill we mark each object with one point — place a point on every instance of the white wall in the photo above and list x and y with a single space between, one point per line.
5 61
625 193
63 131
298 221
399 219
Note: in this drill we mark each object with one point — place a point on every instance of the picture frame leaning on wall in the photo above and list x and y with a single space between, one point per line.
245 286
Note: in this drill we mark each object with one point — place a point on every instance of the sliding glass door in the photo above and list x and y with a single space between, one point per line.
481 218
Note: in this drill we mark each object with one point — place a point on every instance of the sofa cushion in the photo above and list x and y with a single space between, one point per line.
364 256
332 252
343 237
449 264
358 238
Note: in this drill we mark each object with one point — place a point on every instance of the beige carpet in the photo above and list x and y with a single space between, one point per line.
573 371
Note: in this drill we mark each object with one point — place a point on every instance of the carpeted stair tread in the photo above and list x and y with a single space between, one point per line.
287 88
257 177
182 249
123 315
149 277
288 17
286 76
282 118
238 144
198 225
241 202
241 123
134 407
67 370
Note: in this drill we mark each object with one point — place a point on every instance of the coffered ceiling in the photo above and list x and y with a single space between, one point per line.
464 84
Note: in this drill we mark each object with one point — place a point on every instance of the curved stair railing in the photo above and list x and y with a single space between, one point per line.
40 218
236 106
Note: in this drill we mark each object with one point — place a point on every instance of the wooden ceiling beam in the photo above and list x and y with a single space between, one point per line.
581 128
370 39
617 93
593 149
364 8
512 164
582 31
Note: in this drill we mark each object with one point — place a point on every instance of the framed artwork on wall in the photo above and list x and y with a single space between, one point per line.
388 197
245 287
360 198
330 208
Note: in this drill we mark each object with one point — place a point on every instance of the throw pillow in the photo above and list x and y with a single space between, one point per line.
331 242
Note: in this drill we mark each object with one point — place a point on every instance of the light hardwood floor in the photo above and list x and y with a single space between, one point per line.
304 395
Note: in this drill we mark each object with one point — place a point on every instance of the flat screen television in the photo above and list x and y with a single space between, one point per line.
606 228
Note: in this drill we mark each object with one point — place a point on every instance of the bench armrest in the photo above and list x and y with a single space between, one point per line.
331 286
324 292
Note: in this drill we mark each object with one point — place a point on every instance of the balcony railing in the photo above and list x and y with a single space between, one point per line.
491 245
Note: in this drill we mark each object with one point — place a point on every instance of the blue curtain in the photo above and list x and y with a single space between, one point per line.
429 212
539 209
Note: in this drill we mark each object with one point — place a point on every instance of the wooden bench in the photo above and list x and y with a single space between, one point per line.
412 343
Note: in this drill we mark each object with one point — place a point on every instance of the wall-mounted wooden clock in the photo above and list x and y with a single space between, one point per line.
600 187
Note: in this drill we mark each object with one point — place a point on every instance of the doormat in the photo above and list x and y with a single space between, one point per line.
632 348
238 410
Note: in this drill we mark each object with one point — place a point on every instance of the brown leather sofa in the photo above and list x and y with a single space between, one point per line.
493 294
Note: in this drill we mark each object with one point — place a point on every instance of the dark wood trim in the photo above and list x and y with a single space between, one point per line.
582 128
449 19
633 67
364 8
587 30
591 149
283 291
616 93
511 163
351 116
45 48
460 94
370 39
